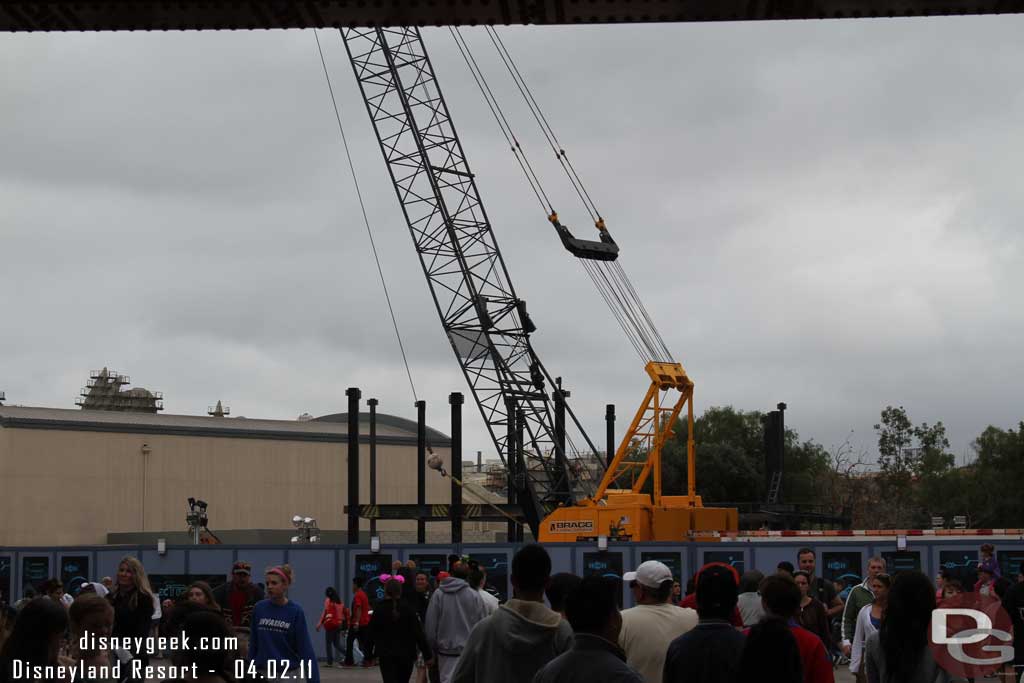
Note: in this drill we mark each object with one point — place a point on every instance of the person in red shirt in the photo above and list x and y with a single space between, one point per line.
238 598
334 619
691 599
359 620
781 599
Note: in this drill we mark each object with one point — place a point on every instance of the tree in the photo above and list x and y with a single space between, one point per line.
897 460
730 456
998 478
937 485
730 459
843 484
804 464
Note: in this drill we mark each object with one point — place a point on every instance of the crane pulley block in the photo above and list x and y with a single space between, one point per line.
604 249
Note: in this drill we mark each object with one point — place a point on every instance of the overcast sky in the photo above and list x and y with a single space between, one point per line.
824 213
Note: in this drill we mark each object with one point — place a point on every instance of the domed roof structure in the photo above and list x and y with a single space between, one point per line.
384 419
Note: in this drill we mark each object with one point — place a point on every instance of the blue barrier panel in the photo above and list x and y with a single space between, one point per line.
210 561
314 570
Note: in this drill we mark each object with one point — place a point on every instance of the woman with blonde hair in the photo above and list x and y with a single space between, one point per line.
279 643
133 603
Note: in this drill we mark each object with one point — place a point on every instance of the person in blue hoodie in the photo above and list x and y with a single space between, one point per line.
279 645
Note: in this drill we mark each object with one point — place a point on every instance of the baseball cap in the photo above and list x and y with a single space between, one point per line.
241 567
718 568
651 574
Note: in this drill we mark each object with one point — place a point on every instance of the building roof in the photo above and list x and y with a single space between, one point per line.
391 429
399 423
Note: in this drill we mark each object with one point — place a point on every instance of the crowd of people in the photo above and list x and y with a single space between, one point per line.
791 626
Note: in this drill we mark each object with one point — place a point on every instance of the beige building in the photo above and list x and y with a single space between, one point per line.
72 477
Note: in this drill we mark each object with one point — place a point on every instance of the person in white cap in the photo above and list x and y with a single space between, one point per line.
650 627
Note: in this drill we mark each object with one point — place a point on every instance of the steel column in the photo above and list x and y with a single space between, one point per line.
373 460
456 399
353 394
511 465
609 418
520 461
421 466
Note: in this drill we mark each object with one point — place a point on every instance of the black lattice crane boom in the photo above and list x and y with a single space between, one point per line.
486 322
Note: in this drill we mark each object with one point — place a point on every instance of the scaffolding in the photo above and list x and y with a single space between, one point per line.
105 391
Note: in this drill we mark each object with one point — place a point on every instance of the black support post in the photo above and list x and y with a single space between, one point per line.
353 394
421 466
609 418
560 396
373 461
520 460
456 400
511 464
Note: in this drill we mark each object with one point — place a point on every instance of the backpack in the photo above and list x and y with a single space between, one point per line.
334 615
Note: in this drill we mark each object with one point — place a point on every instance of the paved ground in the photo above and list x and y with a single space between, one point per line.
372 675
843 675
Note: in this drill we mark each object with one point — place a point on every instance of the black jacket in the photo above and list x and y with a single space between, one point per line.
397 636
709 653
591 658
129 621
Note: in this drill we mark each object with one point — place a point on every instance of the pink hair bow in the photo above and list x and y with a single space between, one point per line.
384 578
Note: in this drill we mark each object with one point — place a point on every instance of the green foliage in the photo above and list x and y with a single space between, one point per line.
998 478
916 476
730 459
895 439
915 470
806 464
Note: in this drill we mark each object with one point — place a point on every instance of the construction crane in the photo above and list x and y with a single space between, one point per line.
489 327
487 323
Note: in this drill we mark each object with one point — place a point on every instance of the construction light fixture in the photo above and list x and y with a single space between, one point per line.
375 544
308 530
602 543
161 546
196 518
901 542
960 521
938 522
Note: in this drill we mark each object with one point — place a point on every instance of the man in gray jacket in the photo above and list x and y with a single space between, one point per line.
454 609
522 635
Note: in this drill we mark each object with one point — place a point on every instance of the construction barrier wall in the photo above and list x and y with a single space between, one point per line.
319 566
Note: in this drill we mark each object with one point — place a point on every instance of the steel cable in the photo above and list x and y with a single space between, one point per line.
366 219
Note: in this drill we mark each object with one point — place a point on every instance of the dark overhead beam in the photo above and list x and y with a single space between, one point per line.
476 512
175 15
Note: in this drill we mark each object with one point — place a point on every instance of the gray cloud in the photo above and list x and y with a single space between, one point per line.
824 213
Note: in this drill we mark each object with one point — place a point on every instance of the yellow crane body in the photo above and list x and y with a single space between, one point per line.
622 513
